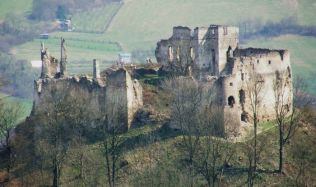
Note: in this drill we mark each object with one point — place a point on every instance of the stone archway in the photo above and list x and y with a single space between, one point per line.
231 101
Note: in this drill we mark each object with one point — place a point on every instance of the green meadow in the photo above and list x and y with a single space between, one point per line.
78 49
14 6
25 105
139 24
95 20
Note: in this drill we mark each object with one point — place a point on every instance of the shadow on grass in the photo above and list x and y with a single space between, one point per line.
142 140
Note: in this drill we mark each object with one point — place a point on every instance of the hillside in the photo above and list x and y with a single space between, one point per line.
139 24
154 155
69 144
14 6
148 21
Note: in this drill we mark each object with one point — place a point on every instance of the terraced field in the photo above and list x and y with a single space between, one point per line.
139 24
96 20
78 49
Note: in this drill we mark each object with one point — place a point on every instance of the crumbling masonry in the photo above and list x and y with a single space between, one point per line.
115 87
213 54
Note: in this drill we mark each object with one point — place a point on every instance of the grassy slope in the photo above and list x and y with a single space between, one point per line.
302 51
149 21
76 49
95 20
25 105
139 24
16 6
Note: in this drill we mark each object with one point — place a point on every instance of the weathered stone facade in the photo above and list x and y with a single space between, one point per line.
213 54
115 88
206 48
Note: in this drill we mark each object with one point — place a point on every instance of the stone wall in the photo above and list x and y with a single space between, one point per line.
263 62
176 52
215 54
110 96
207 47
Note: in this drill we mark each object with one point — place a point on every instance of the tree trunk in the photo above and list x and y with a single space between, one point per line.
81 174
55 173
280 150
255 143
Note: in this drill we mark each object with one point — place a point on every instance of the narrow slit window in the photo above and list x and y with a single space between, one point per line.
192 55
170 53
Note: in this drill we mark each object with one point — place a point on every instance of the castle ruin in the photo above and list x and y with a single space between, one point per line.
209 54
102 91
212 54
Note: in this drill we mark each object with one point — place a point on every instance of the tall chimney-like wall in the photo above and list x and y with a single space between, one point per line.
96 69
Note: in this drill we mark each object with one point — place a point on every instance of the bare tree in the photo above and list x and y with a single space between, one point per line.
80 120
248 151
254 86
53 133
9 114
215 152
187 98
287 117
303 152
112 140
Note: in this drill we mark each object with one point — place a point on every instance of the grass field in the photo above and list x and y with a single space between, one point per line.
149 21
78 49
95 20
302 50
141 23
25 105
16 6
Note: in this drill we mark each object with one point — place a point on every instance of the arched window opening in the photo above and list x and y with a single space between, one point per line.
242 76
170 53
231 101
242 96
243 117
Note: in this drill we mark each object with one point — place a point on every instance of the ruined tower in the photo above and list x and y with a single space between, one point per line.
63 58
49 63
213 45
206 48
106 95
96 69
216 56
